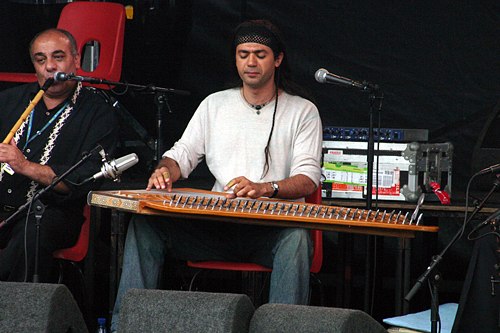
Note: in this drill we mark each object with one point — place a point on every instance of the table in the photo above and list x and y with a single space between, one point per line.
432 209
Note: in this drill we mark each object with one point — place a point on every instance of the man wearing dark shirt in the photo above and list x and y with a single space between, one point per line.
68 121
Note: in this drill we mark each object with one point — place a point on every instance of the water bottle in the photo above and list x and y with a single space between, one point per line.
101 325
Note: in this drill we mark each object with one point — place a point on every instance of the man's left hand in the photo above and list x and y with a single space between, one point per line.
242 187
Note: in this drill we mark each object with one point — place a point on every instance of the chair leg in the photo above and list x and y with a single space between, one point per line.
81 277
82 299
191 284
255 285
315 280
61 272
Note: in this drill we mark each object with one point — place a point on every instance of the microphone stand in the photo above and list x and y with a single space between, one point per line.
371 143
40 208
371 89
432 268
161 102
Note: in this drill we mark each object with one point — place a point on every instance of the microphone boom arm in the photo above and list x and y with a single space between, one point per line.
60 76
49 187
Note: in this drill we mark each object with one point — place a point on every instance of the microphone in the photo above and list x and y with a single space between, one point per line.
114 168
61 76
491 169
493 216
323 76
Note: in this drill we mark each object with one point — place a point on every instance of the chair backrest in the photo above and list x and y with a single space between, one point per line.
101 22
88 22
316 235
78 251
17 77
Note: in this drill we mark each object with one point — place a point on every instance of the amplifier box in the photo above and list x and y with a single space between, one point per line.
379 134
402 170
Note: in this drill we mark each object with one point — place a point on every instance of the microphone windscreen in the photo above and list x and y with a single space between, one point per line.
320 75
125 162
60 76
115 167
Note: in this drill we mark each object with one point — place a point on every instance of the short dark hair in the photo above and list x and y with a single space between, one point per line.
67 34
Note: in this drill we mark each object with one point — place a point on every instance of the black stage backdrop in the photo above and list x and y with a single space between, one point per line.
436 61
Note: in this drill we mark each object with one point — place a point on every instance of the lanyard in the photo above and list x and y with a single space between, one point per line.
38 133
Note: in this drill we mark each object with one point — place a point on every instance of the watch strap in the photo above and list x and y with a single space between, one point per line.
276 189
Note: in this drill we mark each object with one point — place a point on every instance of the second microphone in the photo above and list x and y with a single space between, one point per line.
61 77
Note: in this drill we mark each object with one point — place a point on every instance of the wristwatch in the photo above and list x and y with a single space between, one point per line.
276 189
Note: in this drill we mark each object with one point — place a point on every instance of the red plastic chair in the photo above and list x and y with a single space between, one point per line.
75 254
17 77
103 22
317 261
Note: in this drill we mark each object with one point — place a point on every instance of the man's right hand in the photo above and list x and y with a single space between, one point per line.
160 179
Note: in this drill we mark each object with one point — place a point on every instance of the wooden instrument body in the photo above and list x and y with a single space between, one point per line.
207 205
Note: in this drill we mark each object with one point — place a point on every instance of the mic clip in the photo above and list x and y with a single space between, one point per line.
369 87
110 170
493 281
104 157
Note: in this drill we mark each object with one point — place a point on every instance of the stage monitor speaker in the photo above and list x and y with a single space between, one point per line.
277 318
184 311
39 307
